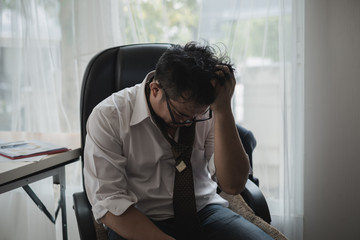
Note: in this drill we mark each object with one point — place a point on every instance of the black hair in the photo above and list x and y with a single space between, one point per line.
190 69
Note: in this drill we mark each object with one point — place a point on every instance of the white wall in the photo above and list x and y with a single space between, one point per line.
332 120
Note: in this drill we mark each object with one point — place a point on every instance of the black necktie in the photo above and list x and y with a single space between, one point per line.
184 197
184 202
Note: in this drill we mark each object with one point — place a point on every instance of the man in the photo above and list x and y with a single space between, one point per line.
143 140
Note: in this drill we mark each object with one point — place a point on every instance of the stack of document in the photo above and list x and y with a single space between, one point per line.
29 148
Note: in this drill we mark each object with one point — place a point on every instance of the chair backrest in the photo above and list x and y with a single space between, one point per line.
114 69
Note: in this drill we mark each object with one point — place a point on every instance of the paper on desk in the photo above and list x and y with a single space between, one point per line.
29 159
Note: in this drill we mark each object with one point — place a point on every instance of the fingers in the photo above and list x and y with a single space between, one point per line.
226 70
225 74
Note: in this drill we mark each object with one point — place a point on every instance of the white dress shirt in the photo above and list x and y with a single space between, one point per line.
127 160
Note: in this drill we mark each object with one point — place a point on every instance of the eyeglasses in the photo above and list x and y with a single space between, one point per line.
206 115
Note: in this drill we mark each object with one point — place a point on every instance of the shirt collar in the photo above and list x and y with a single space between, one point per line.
141 108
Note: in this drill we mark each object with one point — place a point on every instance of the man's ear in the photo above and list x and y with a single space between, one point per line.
155 88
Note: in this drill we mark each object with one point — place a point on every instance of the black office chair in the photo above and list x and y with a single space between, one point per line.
120 67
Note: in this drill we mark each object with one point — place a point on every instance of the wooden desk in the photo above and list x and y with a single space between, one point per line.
15 174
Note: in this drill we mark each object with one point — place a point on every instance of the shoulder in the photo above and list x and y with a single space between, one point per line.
115 111
119 102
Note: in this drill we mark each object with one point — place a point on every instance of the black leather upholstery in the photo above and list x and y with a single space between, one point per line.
249 142
120 67
256 200
112 70
84 216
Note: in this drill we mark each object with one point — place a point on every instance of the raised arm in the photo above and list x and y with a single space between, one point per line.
231 160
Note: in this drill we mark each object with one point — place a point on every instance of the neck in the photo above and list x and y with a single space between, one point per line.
171 130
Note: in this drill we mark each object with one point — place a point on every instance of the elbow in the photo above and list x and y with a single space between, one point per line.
232 191
235 188
234 180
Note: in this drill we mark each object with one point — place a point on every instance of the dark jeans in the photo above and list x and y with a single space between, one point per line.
217 223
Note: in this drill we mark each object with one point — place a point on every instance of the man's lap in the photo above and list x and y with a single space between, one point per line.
217 223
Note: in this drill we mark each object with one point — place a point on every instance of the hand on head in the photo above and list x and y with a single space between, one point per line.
224 88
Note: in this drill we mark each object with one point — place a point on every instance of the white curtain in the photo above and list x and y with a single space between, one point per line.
289 215
45 46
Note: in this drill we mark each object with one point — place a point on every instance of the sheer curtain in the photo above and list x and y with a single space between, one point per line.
33 98
45 46
290 206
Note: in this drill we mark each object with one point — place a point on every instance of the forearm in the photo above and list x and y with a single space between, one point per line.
231 160
132 224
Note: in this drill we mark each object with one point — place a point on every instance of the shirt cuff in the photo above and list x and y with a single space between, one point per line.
116 206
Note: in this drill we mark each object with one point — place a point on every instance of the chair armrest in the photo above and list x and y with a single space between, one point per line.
256 200
84 216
